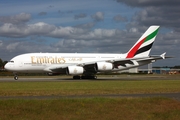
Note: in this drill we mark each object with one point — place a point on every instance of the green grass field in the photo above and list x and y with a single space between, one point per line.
152 108
90 108
88 87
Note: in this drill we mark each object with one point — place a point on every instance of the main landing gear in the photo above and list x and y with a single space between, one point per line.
85 77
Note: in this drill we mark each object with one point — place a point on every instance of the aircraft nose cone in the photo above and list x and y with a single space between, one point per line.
7 67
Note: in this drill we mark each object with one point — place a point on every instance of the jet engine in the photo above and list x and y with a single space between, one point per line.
103 66
74 70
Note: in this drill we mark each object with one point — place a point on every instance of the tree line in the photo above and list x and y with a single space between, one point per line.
2 63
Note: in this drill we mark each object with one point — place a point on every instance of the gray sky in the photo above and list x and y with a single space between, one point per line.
88 26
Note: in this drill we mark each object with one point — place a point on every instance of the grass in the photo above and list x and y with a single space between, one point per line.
152 108
91 108
88 88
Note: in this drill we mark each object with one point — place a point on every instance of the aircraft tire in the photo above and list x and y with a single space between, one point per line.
89 77
15 77
77 77
95 77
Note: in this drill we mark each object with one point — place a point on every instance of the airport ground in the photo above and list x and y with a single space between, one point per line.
109 97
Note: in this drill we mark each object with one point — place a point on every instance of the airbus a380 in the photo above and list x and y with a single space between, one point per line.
86 66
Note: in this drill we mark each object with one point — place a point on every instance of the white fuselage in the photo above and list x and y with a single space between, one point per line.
40 62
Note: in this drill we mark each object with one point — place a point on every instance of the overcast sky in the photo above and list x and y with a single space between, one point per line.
88 26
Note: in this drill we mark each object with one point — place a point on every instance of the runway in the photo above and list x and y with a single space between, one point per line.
101 78
108 77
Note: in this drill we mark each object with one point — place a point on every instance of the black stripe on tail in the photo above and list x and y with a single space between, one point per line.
144 49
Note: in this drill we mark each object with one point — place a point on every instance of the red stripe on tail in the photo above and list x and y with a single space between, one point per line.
134 49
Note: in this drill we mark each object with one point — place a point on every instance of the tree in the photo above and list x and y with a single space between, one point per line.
2 63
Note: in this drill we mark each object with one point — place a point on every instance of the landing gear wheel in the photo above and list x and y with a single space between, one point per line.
89 77
77 77
15 77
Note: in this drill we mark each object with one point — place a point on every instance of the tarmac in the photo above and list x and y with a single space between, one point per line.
114 77
104 77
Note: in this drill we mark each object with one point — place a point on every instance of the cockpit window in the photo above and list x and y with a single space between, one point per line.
11 61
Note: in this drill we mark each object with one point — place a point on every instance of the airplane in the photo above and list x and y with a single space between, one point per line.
87 65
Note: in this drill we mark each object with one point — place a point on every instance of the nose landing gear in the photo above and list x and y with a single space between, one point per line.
15 76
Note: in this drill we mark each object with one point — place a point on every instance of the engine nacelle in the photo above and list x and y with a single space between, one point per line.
103 66
75 70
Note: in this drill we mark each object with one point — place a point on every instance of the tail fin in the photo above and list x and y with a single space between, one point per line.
143 46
